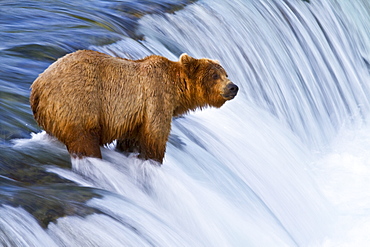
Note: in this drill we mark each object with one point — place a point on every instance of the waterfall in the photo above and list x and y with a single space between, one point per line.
300 62
245 174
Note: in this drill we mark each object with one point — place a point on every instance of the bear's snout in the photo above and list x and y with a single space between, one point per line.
230 91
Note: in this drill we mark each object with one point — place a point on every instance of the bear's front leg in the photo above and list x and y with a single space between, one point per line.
128 145
153 150
153 138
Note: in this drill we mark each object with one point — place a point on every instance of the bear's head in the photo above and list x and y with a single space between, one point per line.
209 81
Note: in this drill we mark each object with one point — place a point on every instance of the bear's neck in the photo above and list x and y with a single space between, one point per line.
188 97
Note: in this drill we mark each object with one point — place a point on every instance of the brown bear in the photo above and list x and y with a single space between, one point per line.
87 99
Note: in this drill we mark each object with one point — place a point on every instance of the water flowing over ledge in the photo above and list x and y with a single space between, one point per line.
299 61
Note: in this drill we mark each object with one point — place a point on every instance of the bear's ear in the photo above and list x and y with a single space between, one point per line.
186 59
215 61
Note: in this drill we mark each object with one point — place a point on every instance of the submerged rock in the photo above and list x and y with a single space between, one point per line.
24 183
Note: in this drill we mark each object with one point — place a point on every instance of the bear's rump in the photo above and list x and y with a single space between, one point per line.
60 103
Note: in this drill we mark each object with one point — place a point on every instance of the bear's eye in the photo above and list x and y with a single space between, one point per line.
215 76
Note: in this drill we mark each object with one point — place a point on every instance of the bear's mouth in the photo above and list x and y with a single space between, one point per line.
228 96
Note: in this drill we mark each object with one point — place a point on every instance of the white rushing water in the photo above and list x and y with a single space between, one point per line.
286 163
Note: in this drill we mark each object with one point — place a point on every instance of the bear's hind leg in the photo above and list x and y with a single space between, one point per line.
84 145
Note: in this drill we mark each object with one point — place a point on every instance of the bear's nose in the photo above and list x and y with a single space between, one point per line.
230 91
233 89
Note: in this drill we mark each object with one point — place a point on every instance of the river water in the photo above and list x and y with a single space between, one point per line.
286 163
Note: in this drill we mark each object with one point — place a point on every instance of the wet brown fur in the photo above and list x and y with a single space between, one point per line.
87 99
